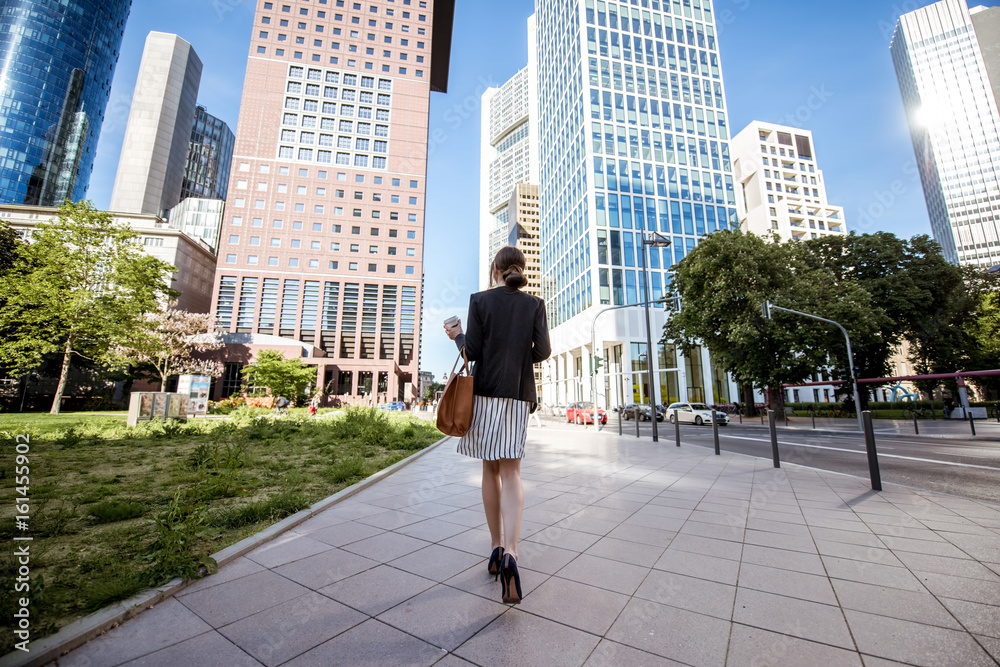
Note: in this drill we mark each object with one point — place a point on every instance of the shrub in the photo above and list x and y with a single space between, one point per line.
172 554
270 509
115 510
345 470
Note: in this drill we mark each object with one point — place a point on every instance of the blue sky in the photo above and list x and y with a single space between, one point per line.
820 66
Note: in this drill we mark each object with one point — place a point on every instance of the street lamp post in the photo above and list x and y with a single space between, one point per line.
657 241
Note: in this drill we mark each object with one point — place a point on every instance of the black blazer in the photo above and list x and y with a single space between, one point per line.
507 333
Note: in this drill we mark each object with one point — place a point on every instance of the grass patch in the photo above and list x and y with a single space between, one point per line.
115 509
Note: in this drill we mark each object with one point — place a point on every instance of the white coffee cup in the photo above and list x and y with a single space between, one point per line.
451 322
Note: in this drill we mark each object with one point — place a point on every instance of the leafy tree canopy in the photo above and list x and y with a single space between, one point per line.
283 377
81 286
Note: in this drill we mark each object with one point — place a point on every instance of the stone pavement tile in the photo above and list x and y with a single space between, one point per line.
353 509
463 500
911 532
691 564
598 527
235 569
964 526
646 519
715 531
287 548
665 511
803 543
847 537
674 500
472 517
979 619
430 509
542 557
718 518
323 569
443 616
431 530
544 516
800 618
895 603
207 650
475 541
961 567
626 552
613 654
385 547
980 547
321 520
376 590
229 602
874 661
785 582
282 632
603 514
784 560
708 546
391 519
577 605
914 643
857 552
166 624
872 573
437 563
371 644
992 646
640 535
796 528
673 633
705 597
619 504
961 588
603 573
402 498
754 646
574 540
840 524
929 547
345 533
520 639
452 660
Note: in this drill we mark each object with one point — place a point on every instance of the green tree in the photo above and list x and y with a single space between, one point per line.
81 286
9 243
723 283
283 377
432 390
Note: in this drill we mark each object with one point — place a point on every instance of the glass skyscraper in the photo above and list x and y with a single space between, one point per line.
951 107
57 60
633 136
210 157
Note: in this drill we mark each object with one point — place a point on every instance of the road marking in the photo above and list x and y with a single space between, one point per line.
861 451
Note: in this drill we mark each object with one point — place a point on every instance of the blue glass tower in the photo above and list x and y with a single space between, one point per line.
57 60
633 137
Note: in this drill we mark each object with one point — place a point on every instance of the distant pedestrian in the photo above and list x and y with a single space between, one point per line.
949 406
508 333
314 405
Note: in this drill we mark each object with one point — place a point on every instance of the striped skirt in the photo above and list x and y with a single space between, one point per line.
499 428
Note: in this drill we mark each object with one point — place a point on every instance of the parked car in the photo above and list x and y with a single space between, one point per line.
557 410
394 406
583 413
695 413
642 410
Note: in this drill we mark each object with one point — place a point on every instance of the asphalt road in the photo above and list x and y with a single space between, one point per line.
959 466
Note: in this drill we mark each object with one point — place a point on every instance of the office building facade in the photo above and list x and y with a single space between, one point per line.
508 156
780 186
634 137
209 158
58 63
158 135
199 218
322 240
522 232
951 108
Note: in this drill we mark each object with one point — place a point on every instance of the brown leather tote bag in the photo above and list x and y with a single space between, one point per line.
454 411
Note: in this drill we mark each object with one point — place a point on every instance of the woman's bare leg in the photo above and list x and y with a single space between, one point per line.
491 501
511 503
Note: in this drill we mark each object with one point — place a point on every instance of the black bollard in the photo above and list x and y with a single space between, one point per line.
619 420
972 422
774 438
813 414
715 432
635 415
916 428
873 471
677 426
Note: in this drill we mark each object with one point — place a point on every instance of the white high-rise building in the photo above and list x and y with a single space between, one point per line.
952 112
780 185
633 137
508 154
158 135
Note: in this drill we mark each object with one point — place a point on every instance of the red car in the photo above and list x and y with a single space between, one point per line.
583 413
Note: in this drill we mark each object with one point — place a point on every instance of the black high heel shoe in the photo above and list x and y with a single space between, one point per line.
494 565
510 580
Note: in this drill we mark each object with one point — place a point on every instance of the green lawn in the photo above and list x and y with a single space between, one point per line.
117 509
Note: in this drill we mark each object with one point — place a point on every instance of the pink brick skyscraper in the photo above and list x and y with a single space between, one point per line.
321 248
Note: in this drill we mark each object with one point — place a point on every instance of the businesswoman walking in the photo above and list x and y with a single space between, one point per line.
508 333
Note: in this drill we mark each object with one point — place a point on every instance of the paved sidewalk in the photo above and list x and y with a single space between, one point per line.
633 553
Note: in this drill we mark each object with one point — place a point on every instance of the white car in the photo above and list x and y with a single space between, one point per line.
557 410
695 413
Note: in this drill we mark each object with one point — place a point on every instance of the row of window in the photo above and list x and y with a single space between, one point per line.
356 6
333 265
320 209
296 244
